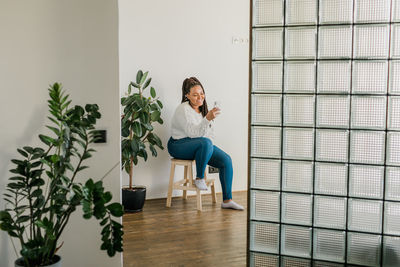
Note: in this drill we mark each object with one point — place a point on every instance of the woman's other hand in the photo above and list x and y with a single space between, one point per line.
212 114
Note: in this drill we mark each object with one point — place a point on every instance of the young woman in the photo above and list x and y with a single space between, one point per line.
192 133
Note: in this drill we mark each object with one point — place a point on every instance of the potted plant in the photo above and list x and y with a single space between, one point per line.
43 193
138 116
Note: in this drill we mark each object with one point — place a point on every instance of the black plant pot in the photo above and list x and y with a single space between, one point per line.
133 199
55 262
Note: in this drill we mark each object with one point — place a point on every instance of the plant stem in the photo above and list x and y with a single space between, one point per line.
80 161
130 173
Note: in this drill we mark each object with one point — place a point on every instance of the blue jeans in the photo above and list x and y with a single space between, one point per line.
204 152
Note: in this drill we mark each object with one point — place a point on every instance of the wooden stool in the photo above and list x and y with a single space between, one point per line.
187 184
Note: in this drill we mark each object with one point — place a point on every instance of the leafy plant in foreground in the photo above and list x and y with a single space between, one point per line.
43 193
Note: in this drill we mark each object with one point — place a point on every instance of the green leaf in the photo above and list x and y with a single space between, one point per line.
152 92
107 197
23 153
135 85
46 139
147 84
28 149
137 129
104 221
139 76
153 150
82 168
5 215
22 219
19 162
54 158
36 164
134 145
36 193
115 209
143 77
155 116
159 103
54 130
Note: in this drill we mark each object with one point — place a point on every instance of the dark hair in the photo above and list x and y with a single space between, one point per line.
188 83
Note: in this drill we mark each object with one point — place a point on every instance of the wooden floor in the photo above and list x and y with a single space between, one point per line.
182 236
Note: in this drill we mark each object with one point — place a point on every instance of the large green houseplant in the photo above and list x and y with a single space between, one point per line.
43 193
139 113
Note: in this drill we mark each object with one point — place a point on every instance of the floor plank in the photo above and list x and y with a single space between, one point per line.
182 236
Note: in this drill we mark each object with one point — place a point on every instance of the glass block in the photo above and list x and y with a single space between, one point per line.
394 78
393 148
368 112
267 12
266 142
395 53
367 147
394 113
396 10
333 111
366 181
335 42
266 109
301 11
392 218
267 77
365 215
370 77
391 251
298 110
265 173
332 145
299 77
371 41
330 212
263 260
301 43
364 249
331 179
298 143
296 241
392 191
295 262
297 176
329 245
327 264
334 77
338 11
264 237
267 43
296 208
265 205
372 11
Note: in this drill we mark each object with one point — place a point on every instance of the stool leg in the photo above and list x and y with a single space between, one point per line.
185 176
171 184
199 206
213 194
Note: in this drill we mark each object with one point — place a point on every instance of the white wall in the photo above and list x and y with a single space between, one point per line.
176 39
74 42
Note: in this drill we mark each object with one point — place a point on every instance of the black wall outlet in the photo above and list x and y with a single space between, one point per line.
101 136
212 170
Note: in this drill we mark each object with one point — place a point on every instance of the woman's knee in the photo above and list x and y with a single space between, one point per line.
227 160
206 143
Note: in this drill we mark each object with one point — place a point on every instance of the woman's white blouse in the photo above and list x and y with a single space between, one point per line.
186 122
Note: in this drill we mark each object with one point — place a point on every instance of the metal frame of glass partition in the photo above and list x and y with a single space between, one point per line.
324 133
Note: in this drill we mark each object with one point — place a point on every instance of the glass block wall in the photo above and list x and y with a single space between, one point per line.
325 133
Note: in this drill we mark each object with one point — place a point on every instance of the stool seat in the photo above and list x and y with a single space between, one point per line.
187 183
